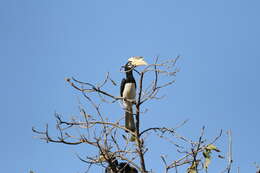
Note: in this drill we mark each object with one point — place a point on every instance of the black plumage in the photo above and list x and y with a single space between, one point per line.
122 167
128 91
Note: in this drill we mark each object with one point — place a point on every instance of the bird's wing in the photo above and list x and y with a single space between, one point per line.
122 87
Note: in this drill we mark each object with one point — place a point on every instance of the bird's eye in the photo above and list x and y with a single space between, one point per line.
130 65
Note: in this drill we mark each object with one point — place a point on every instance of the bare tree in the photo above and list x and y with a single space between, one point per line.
109 138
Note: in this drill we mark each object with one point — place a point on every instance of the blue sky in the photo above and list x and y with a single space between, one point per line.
42 42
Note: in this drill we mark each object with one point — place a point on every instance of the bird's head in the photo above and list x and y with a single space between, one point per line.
134 62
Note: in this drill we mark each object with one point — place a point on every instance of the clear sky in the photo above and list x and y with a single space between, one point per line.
44 41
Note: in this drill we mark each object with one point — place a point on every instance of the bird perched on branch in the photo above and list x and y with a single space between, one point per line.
122 167
128 90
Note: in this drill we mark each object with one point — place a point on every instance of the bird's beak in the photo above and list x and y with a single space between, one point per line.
137 61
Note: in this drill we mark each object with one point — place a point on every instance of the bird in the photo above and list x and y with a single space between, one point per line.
126 168
113 165
122 167
128 90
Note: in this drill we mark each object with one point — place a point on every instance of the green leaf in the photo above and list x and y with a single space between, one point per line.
192 171
101 158
206 153
133 138
206 163
193 168
207 156
212 147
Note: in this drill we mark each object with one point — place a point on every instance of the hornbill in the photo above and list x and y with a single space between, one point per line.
122 167
128 90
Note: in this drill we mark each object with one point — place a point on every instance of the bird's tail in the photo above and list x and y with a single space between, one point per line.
129 118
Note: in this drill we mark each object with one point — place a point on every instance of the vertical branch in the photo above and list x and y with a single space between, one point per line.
137 116
139 103
165 164
230 160
155 74
195 152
